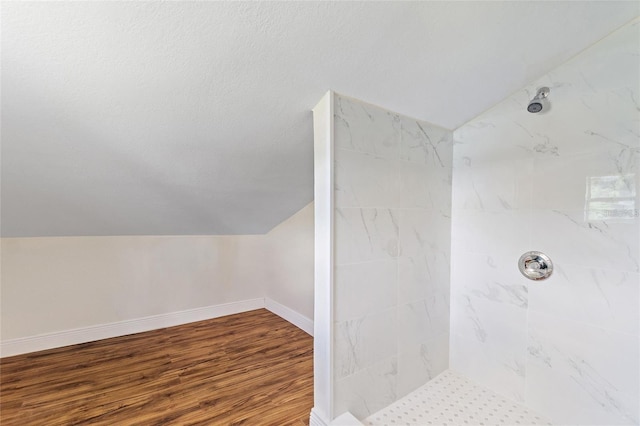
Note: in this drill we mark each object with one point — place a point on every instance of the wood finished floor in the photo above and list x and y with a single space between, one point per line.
252 368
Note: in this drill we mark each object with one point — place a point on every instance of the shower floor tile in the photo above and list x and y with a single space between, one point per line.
451 399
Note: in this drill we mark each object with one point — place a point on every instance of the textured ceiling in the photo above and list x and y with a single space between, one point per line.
125 118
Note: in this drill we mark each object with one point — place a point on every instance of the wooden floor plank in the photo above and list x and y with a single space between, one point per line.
252 368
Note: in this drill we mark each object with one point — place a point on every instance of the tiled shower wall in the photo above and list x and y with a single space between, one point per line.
565 183
392 242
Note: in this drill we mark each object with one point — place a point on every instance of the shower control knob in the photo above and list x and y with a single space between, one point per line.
532 264
535 265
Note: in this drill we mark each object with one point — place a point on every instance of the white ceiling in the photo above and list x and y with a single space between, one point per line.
125 118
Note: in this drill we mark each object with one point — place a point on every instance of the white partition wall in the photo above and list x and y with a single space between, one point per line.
382 206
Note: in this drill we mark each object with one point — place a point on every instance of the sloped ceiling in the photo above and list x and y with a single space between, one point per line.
159 118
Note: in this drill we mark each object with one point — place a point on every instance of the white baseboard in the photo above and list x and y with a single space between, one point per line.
295 318
122 328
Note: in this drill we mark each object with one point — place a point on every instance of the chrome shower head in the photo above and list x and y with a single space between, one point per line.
539 103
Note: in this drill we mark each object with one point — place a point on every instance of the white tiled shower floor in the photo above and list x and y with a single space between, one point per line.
451 399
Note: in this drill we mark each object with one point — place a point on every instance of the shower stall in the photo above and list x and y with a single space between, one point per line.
419 230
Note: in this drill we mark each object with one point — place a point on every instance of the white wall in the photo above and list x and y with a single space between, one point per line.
567 346
70 289
289 269
390 253
62 283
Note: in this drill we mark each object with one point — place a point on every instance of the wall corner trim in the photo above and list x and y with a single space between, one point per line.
288 314
323 162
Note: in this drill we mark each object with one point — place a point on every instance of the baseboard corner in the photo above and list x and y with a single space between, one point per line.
315 419
288 314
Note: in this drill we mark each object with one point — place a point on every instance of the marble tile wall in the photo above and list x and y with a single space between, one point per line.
565 182
392 223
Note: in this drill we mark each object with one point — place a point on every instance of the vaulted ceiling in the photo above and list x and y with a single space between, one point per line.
160 118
